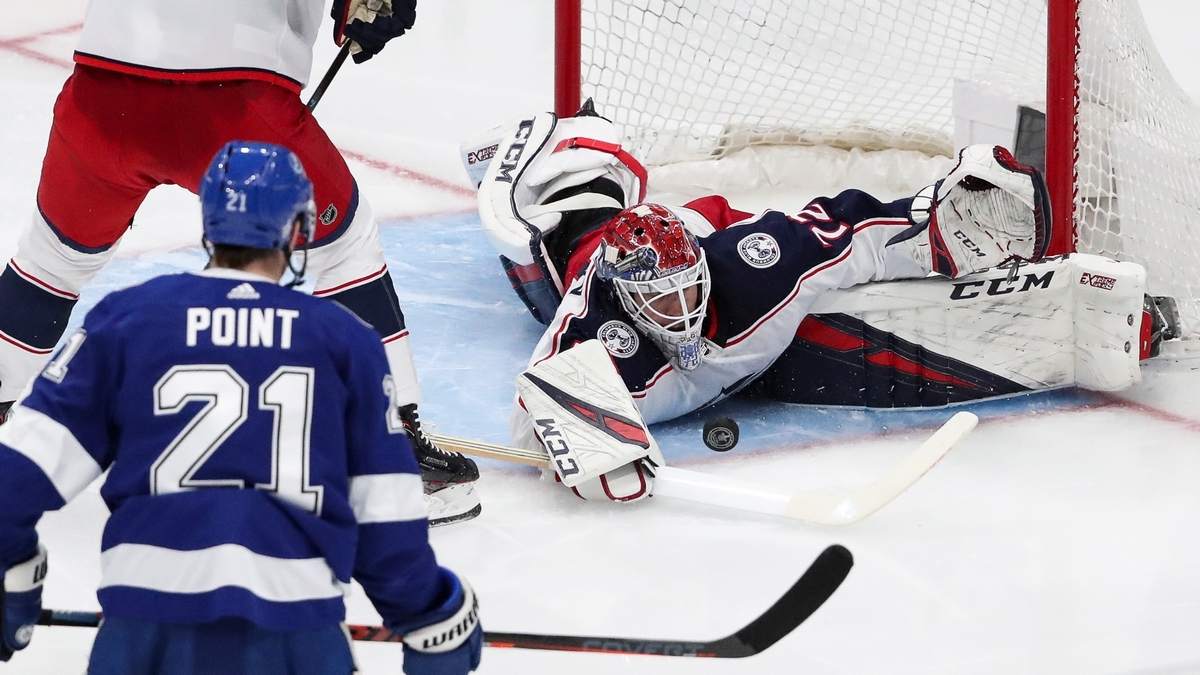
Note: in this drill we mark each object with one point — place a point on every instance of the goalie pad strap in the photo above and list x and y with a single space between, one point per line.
615 150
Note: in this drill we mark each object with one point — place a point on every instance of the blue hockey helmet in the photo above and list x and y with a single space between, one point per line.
251 195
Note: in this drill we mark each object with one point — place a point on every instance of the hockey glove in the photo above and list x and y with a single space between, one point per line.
988 210
447 640
369 24
21 600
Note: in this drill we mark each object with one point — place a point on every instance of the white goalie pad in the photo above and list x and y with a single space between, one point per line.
1061 322
583 414
520 170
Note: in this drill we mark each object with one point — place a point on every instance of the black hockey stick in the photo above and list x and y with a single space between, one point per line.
811 591
325 81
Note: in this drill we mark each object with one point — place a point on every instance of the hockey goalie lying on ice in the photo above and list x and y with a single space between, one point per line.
834 305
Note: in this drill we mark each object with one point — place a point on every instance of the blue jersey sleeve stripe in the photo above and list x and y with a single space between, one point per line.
167 570
387 497
53 448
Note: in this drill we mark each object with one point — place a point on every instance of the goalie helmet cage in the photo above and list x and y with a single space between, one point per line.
700 79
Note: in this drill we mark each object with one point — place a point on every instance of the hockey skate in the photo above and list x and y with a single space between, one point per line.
448 477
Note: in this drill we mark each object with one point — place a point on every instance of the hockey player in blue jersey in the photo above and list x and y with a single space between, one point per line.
256 463
696 302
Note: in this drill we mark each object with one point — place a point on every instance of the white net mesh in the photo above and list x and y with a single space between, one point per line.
1138 185
699 79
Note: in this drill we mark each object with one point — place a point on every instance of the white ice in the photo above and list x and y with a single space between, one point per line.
1061 537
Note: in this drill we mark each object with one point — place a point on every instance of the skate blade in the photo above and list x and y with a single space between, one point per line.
453 504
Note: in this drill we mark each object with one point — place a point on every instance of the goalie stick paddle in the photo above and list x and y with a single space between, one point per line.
823 506
814 587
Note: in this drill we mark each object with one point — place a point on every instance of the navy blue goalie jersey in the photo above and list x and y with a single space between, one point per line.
256 461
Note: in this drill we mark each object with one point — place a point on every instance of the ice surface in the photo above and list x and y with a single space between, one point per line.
1059 537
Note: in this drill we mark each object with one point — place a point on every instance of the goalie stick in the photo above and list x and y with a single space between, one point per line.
814 587
822 507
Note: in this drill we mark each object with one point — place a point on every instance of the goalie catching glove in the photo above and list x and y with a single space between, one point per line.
990 209
585 418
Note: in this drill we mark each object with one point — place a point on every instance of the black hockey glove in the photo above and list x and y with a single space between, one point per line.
371 23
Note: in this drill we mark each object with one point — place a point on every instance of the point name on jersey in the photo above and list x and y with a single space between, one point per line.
241 327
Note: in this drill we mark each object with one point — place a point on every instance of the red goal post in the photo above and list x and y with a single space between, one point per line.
695 79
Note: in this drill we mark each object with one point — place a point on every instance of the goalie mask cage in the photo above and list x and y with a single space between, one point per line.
699 79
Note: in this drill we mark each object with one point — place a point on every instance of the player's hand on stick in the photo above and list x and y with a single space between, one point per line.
21 599
988 210
545 166
369 24
448 640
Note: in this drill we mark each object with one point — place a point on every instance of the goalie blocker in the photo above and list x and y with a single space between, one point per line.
587 422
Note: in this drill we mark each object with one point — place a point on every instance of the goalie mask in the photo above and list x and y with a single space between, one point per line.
660 276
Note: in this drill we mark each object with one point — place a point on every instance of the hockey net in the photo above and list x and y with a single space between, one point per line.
701 80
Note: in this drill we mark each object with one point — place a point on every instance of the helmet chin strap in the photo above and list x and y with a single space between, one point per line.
301 235
208 248
297 274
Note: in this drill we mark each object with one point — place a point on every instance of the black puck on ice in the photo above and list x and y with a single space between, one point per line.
720 434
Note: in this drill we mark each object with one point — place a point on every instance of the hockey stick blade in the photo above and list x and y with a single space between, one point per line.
814 587
850 506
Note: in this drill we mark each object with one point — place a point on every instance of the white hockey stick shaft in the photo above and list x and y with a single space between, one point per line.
823 507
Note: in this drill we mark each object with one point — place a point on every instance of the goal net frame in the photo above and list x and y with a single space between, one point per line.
1074 209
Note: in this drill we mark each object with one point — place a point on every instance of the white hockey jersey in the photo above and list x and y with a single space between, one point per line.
198 40
767 271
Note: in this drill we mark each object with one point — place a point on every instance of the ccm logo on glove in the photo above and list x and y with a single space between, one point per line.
556 443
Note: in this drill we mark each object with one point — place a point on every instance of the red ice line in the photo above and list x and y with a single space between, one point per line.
409 174
1150 411
16 45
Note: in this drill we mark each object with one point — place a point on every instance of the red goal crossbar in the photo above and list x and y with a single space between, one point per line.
1062 96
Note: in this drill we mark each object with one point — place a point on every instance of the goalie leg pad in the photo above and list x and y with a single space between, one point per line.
1070 321
533 178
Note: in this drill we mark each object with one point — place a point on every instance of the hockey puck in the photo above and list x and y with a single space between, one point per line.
720 434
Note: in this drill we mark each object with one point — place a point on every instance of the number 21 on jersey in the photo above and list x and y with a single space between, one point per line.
287 394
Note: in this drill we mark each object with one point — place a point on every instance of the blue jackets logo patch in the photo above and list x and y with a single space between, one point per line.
618 338
759 250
